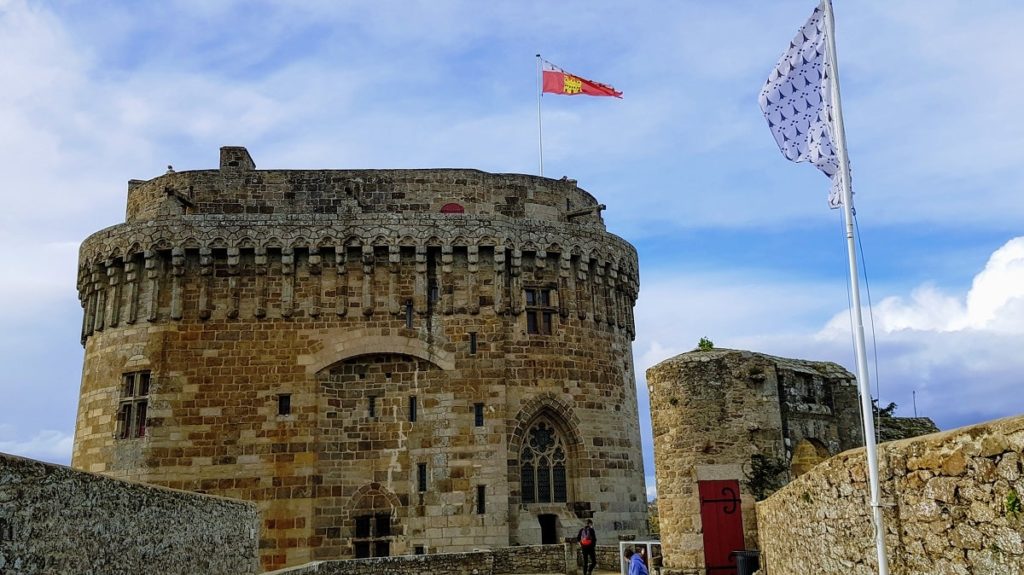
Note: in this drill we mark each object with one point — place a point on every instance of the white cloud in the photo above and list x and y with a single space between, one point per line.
959 353
995 303
45 445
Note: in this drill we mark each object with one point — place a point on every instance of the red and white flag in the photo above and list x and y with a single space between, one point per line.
558 81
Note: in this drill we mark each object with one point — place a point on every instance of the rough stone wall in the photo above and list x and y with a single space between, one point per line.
711 411
233 287
951 507
58 520
504 561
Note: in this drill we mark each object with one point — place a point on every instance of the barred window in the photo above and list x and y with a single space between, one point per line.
131 411
542 465
372 535
539 313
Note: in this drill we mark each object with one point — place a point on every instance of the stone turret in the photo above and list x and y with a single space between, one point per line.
388 361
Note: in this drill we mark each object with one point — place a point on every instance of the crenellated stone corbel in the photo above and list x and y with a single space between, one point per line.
131 280
447 287
234 294
100 307
420 288
516 288
566 285
341 283
177 278
205 277
114 288
394 266
316 277
260 265
584 301
473 266
152 265
368 264
499 278
287 281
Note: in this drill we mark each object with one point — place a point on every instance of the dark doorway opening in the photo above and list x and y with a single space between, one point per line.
548 529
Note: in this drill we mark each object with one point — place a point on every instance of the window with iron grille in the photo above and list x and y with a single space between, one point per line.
131 411
539 313
372 536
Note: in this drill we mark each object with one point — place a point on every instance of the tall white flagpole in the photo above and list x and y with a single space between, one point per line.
540 126
851 249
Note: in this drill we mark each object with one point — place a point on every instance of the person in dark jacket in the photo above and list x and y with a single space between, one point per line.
588 545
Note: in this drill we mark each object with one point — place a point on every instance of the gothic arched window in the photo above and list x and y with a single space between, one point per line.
542 464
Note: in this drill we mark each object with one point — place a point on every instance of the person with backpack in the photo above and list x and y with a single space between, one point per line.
588 545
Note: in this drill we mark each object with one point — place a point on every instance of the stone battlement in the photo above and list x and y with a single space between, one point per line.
238 188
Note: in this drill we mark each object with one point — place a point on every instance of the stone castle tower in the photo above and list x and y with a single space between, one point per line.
387 361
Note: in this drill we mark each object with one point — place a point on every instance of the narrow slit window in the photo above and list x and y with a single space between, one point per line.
481 499
408 314
472 343
412 408
478 414
284 404
372 405
421 477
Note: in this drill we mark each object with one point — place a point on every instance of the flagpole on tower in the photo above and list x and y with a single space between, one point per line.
540 125
851 249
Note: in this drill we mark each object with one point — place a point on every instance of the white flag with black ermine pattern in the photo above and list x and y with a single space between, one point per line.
797 102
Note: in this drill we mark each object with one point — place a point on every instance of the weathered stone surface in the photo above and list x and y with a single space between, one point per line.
896 428
712 411
945 508
234 287
54 519
505 561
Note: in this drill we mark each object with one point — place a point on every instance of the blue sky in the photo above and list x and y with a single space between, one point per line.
735 243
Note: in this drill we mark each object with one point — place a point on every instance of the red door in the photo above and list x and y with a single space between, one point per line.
723 525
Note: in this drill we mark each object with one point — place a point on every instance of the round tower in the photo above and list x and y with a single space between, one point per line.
388 361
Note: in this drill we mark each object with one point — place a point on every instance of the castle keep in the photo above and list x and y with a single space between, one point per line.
387 361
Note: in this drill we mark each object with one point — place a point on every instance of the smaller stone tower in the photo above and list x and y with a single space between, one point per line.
713 413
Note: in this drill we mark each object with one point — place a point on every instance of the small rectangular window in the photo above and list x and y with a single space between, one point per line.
421 477
412 408
284 404
362 549
478 414
420 550
472 343
539 313
481 499
133 405
372 405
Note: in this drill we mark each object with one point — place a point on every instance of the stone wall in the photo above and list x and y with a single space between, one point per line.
57 520
503 561
713 411
952 506
338 347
